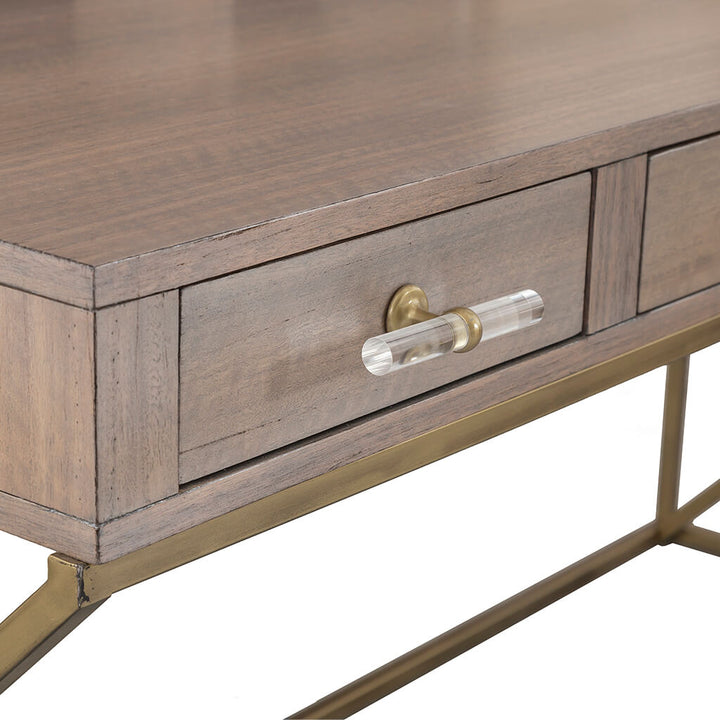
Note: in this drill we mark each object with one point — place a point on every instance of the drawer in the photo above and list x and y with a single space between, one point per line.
681 244
272 355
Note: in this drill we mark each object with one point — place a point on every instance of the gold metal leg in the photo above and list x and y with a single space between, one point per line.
43 620
672 440
675 525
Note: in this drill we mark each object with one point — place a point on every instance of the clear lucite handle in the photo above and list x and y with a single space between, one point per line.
448 333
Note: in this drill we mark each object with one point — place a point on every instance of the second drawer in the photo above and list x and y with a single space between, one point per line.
681 245
271 355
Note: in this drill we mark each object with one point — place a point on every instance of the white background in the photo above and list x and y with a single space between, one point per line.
264 628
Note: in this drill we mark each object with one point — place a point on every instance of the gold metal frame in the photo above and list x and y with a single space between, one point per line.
75 589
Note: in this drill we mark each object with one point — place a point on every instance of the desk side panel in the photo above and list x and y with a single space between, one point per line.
47 403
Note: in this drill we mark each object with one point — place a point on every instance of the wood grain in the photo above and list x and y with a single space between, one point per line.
284 468
614 260
50 528
137 403
47 437
191 262
162 144
272 354
148 146
681 250
47 275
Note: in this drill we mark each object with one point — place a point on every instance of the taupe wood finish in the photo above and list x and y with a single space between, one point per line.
47 275
88 411
681 247
55 530
258 478
137 403
271 355
47 437
153 145
137 135
616 237
225 252
253 480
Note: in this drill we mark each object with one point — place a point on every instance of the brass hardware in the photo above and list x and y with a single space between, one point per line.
415 334
474 327
75 589
409 305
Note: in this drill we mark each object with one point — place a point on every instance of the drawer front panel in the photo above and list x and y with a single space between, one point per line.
272 355
681 244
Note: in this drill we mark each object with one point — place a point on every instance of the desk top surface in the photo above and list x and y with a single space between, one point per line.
129 127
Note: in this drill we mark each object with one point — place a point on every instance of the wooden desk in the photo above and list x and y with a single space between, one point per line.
205 212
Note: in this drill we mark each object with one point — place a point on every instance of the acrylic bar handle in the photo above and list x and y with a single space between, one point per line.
454 331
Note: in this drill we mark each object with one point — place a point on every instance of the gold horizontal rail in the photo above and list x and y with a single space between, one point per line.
698 538
416 663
